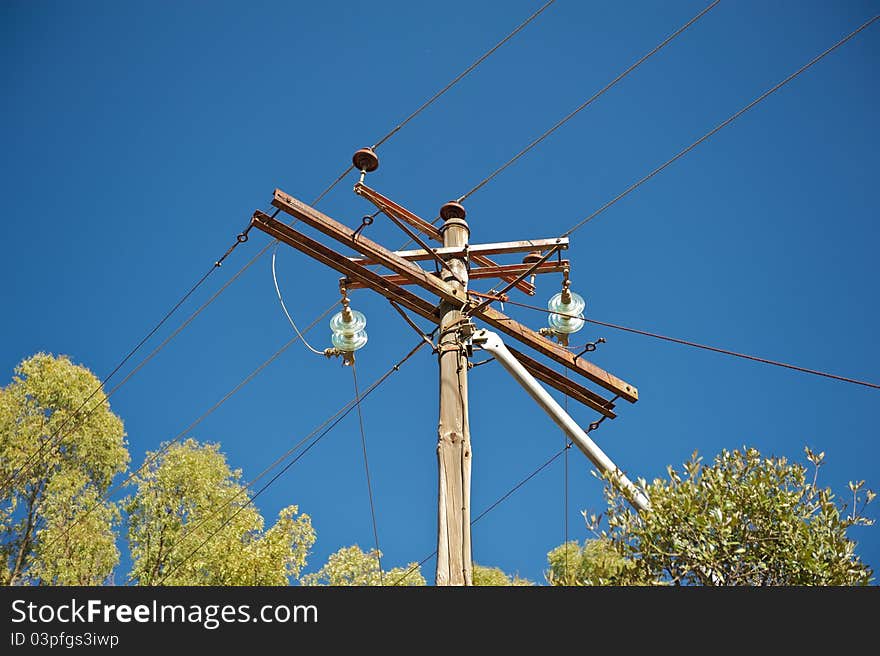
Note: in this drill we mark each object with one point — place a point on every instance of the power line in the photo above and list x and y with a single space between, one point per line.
498 502
341 416
106 496
588 102
576 111
357 396
728 121
427 104
344 410
461 75
705 347
56 440
430 101
243 237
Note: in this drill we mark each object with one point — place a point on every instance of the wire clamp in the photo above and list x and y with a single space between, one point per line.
347 356
589 347
366 220
594 425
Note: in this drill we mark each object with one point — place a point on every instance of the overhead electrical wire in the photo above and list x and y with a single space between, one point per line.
56 440
588 102
401 125
243 238
157 454
360 414
721 125
335 418
299 335
705 347
577 110
464 73
339 416
439 93
603 208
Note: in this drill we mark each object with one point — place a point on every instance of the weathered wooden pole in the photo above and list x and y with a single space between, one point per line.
454 565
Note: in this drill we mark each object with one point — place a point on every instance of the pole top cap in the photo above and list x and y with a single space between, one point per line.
452 210
365 160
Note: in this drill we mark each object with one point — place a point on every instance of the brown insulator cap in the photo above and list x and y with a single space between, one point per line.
365 160
452 210
532 257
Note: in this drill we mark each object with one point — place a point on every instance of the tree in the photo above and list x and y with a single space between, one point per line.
352 566
742 520
495 576
59 451
597 562
190 522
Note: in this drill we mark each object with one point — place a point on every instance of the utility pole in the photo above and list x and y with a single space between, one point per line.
454 308
454 566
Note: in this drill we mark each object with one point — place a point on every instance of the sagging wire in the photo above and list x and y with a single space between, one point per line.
186 431
55 441
339 416
284 307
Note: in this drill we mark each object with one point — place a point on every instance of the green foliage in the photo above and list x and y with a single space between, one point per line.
351 566
187 494
55 463
494 576
597 562
742 520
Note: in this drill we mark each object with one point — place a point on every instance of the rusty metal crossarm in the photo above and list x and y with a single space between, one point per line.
534 267
567 386
409 233
414 303
393 209
345 235
483 272
389 206
318 251
446 292
472 250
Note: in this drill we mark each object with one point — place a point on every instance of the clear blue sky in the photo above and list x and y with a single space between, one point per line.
138 138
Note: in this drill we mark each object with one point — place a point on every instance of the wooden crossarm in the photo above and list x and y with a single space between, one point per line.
390 207
345 235
485 272
415 303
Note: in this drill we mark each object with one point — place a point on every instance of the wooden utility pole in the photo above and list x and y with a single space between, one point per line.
456 263
454 566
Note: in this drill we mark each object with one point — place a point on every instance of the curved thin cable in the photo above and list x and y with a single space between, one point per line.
284 307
